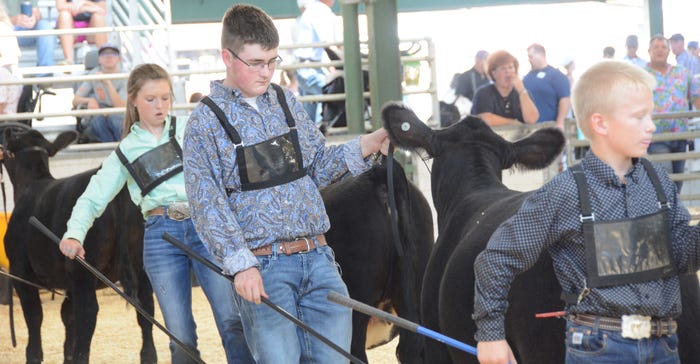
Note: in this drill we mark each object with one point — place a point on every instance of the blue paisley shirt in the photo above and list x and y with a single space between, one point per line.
549 221
232 224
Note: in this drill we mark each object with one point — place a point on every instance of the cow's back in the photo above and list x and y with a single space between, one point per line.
51 201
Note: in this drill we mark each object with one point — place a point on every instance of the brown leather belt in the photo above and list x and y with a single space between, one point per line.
659 327
303 245
177 211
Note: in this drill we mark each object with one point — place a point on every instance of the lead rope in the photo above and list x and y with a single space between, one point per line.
393 211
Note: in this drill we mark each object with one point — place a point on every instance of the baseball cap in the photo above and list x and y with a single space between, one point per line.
107 46
693 44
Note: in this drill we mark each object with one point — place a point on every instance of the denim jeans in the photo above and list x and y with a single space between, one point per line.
107 128
673 146
169 268
44 44
299 284
609 347
311 81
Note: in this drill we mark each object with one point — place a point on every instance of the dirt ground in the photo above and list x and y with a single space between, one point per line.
117 337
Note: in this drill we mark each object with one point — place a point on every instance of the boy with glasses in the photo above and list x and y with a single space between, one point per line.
253 162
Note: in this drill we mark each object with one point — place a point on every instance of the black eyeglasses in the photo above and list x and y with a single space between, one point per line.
259 65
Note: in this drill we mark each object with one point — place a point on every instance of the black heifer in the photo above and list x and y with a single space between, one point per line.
372 269
113 245
471 202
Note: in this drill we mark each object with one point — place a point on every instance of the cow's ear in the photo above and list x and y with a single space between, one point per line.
63 140
540 149
406 130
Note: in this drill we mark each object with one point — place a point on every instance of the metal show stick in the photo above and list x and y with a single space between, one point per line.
37 224
398 321
209 264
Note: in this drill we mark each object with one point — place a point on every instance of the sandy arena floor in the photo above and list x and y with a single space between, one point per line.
117 337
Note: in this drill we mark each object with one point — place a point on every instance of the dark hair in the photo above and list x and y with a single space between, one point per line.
658 37
608 52
498 59
247 24
137 78
632 41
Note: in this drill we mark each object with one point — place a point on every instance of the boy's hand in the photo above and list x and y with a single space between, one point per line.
249 285
495 352
376 141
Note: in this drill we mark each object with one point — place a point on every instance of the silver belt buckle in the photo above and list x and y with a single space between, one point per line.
178 211
636 326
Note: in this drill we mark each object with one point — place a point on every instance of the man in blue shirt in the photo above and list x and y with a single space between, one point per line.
547 86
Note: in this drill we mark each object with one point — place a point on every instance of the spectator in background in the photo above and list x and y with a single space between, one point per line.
693 49
9 57
44 44
104 93
608 52
316 24
675 88
195 97
632 44
505 101
683 57
548 87
467 83
94 12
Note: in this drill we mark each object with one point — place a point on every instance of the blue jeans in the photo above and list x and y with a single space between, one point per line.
311 81
299 284
609 347
168 269
107 128
44 44
672 146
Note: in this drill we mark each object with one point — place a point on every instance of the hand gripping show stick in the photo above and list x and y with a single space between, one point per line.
403 323
173 240
37 224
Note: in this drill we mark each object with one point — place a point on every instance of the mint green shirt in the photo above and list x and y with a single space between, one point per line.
112 176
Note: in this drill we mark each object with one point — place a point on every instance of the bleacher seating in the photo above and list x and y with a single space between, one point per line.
27 61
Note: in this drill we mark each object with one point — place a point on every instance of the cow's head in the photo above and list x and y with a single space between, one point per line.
16 141
470 147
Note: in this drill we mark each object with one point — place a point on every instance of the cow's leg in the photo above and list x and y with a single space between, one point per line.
84 316
69 323
33 316
145 295
359 335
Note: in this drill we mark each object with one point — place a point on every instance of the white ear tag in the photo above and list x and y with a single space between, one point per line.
405 126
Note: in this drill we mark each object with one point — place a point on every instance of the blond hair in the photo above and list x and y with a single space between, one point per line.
602 86
137 78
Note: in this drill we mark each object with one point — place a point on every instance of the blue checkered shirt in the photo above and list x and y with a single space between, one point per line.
549 220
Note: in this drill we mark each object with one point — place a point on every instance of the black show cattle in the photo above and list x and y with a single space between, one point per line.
371 267
471 201
113 245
